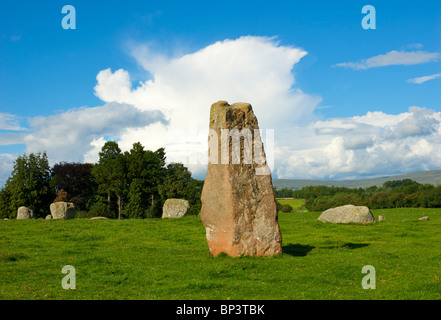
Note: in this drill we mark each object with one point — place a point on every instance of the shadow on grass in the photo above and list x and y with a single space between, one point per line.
347 246
299 250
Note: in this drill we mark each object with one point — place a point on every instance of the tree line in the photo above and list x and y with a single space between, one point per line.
131 184
405 193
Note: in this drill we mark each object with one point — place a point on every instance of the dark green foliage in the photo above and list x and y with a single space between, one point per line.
139 182
393 194
279 206
29 185
286 208
111 174
283 193
77 180
133 184
179 184
100 209
194 191
5 201
145 174
137 201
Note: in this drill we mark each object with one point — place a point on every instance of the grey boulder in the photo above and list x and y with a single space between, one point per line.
175 208
24 213
348 214
62 210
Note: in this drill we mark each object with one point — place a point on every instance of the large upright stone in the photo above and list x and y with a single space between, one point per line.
239 210
62 210
24 213
175 208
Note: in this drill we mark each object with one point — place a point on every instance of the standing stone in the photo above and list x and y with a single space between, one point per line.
175 208
348 214
48 217
62 210
381 218
239 210
24 213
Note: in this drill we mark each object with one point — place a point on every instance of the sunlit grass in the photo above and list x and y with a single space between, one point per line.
169 259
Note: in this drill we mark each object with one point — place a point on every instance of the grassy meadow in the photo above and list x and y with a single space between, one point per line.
169 259
296 204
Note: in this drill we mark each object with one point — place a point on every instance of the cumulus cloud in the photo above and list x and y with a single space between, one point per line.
257 70
9 122
393 58
420 80
365 146
70 136
260 71
170 109
6 166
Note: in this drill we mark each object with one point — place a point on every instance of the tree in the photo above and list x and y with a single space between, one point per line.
286 208
133 178
194 191
29 185
178 183
145 173
137 202
5 202
155 162
111 173
77 180
283 193
398 185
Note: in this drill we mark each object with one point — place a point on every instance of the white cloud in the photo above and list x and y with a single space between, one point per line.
92 156
370 145
258 70
8 138
70 136
250 69
171 110
420 80
415 46
393 58
9 122
6 166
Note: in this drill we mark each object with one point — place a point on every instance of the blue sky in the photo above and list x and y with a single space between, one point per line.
47 73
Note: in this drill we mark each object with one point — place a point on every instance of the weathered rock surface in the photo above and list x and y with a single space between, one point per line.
62 210
24 213
381 218
99 218
425 218
348 214
175 208
48 217
239 210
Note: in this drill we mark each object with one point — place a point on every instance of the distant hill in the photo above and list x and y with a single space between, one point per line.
432 177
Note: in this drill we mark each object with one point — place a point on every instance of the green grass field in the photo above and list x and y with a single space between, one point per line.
169 259
296 204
